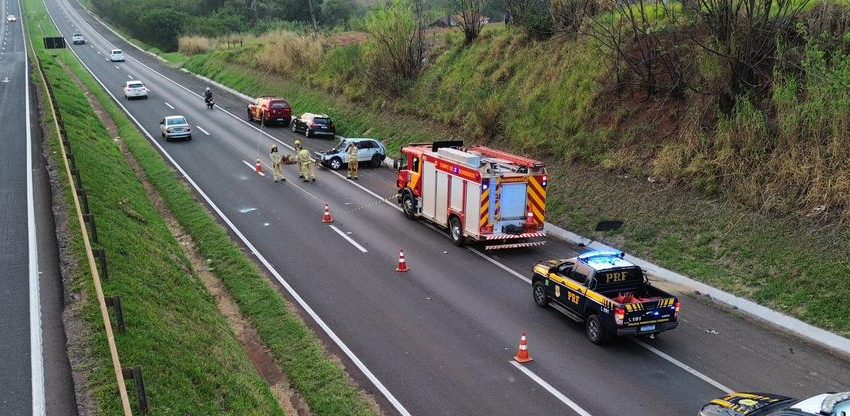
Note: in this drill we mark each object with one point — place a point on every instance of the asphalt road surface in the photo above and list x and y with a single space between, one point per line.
35 377
440 338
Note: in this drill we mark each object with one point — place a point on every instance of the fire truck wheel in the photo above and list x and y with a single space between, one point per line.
593 329
408 204
540 297
456 231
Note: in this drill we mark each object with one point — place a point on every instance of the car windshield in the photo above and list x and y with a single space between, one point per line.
116 52
176 121
135 85
78 35
279 105
322 121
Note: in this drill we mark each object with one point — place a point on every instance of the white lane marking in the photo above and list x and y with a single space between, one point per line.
169 105
129 76
558 395
36 346
683 366
372 193
116 67
98 52
350 240
254 168
301 302
202 129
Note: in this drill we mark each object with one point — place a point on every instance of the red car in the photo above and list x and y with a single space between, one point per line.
268 110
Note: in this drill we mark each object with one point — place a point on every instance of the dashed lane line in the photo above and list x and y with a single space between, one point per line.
349 239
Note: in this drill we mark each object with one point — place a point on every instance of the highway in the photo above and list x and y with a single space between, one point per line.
439 339
35 376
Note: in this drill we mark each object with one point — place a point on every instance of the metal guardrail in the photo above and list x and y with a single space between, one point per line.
84 216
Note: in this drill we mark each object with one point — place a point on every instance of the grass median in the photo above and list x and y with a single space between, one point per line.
324 384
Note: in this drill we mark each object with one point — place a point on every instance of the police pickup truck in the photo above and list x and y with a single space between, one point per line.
609 294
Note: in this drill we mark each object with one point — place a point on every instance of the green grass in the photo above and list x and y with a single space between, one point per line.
192 361
322 382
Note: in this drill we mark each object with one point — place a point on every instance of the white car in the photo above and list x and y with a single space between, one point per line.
135 89
11 18
175 127
116 55
368 151
78 39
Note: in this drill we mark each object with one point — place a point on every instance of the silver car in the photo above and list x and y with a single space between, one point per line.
368 151
175 127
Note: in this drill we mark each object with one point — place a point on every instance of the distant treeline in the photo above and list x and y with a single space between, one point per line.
161 22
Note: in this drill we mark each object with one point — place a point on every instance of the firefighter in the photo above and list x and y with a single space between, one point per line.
297 145
352 161
277 164
306 163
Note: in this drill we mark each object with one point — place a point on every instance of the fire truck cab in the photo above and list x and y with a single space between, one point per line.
479 194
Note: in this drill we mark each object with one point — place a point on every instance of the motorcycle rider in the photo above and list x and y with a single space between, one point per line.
208 95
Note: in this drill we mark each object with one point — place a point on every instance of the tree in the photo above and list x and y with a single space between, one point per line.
335 12
468 13
394 47
744 34
645 40
532 15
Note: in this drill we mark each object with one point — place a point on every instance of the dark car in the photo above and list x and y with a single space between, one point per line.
314 125
268 110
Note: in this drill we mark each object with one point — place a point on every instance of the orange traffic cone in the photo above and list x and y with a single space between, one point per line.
522 355
327 218
402 263
259 167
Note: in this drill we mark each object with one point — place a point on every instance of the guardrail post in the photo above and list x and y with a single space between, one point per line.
136 374
101 259
71 160
89 218
115 303
84 200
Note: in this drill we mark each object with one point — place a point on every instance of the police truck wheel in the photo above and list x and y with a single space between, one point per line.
593 329
456 231
408 204
293 128
539 292
376 161
336 163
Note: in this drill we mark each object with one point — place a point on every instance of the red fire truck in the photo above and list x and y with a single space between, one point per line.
477 193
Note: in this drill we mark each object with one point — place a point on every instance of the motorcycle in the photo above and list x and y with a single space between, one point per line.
210 103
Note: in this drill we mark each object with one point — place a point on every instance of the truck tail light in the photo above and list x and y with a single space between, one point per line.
677 307
619 315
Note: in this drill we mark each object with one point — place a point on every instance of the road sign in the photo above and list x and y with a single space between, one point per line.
57 42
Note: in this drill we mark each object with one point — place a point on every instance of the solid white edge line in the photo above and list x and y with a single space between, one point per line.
36 344
363 188
301 302
168 105
683 366
350 240
558 395
202 129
